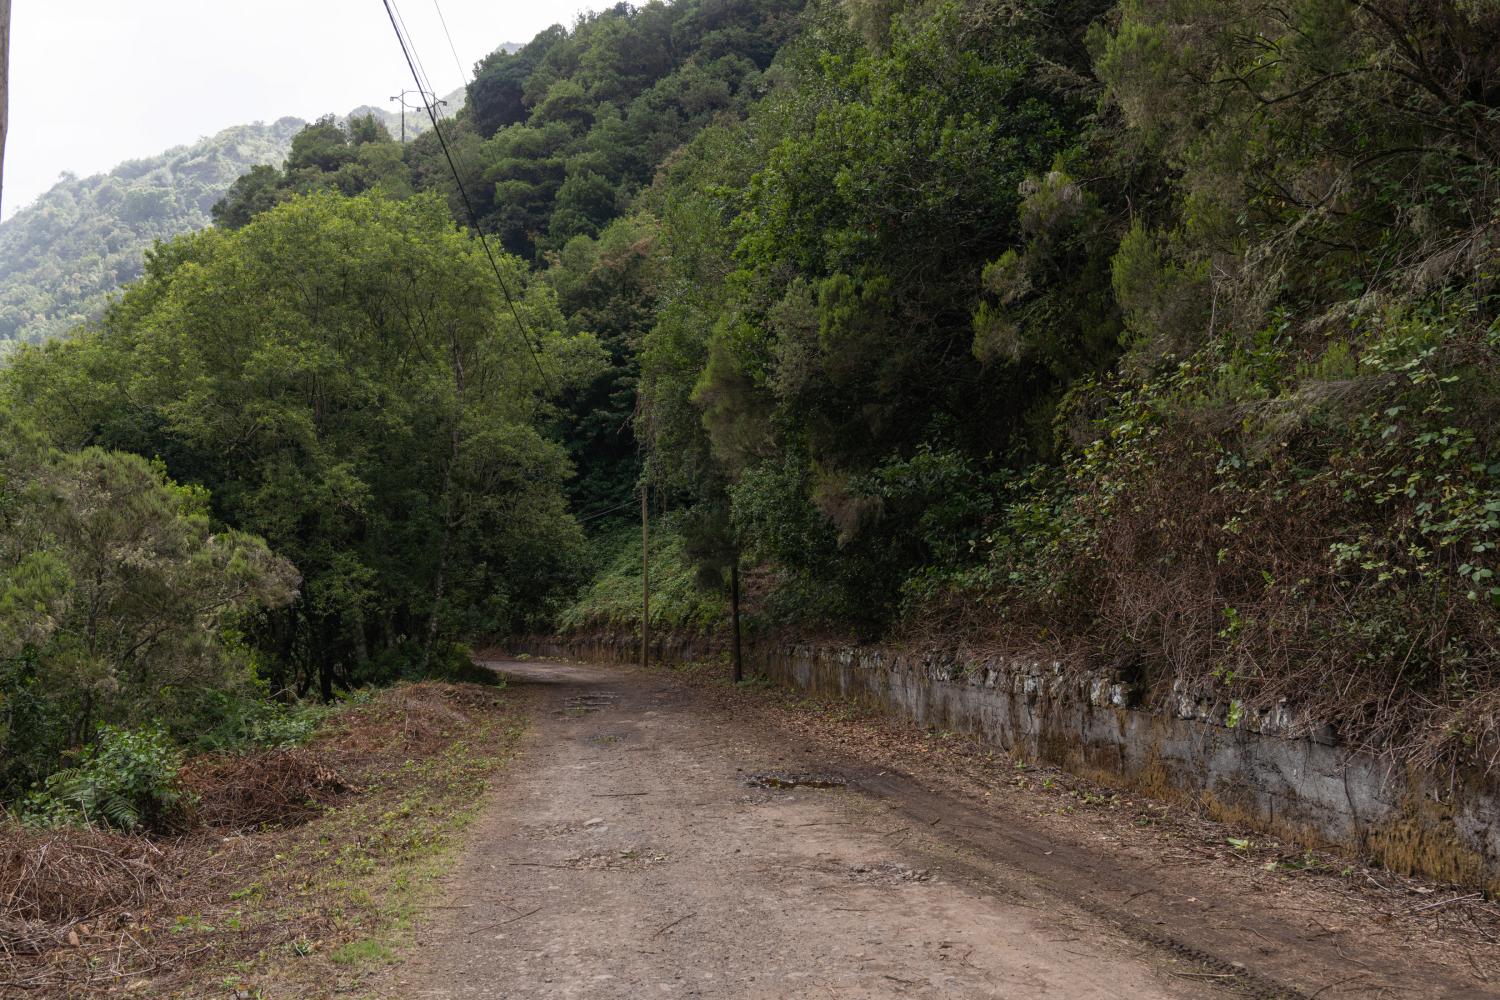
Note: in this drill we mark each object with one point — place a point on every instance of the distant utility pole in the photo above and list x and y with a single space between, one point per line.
4 82
428 100
734 616
645 577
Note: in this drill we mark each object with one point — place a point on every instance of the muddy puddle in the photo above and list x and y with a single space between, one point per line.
586 704
774 779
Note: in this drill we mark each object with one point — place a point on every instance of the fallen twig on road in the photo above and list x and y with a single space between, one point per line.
502 923
662 930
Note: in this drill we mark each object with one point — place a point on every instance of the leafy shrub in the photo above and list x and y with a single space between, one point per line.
35 718
244 719
283 726
403 661
129 779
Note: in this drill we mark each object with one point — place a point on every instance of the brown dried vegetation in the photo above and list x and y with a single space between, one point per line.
85 911
278 787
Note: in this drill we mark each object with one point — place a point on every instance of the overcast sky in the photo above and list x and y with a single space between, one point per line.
95 82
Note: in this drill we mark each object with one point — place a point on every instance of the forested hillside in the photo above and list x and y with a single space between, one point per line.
61 257
319 445
557 147
1150 336
1153 336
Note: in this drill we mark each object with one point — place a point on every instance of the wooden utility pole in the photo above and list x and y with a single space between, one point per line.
734 614
4 83
645 577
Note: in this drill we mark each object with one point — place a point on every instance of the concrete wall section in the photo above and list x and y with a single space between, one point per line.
1307 789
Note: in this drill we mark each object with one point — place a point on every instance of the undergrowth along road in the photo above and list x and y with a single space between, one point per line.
300 876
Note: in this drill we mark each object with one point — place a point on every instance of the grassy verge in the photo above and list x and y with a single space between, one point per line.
309 906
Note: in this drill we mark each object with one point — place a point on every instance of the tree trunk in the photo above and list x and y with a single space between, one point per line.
433 620
361 642
450 506
439 585
734 616
325 661
83 726
284 626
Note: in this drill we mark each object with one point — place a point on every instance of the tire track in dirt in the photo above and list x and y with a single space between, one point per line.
628 853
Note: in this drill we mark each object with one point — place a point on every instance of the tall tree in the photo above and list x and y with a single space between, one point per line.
346 377
120 600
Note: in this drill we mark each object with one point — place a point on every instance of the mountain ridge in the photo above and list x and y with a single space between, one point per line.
65 254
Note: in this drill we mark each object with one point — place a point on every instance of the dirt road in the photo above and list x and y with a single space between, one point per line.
648 844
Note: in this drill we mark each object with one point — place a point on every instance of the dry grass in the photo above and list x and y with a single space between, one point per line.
290 854
76 905
280 787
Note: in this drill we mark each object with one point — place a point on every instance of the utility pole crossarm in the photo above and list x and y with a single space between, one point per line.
430 103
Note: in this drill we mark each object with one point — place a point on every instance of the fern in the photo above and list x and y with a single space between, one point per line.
128 780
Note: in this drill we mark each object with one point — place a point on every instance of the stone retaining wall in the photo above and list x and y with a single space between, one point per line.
1306 789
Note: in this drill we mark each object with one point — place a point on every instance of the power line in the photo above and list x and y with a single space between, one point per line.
463 74
600 513
424 86
416 56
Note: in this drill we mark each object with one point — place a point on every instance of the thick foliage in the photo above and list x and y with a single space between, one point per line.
118 601
1232 264
345 378
680 601
128 779
575 122
1292 495
607 286
555 143
349 157
829 351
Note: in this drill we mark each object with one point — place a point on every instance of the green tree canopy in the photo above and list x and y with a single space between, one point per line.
347 378
119 601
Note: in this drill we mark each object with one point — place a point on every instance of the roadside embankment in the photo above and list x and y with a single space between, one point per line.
290 871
